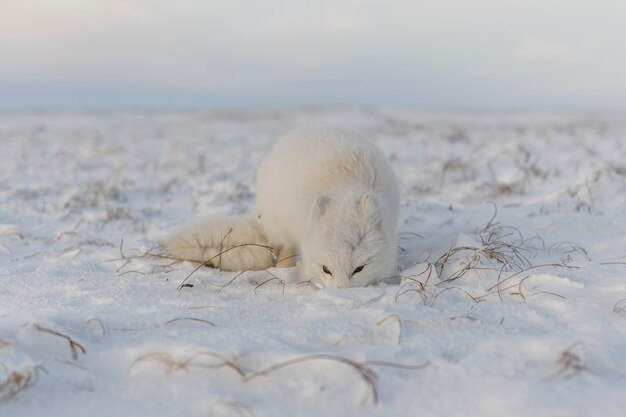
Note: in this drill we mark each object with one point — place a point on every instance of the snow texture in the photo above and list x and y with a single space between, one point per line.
513 254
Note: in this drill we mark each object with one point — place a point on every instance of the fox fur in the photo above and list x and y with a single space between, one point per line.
321 195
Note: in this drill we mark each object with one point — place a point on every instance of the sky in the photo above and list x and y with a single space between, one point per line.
435 54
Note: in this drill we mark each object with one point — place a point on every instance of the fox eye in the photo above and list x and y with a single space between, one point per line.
358 269
326 270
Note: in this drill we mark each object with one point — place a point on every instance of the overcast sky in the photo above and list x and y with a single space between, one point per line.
229 53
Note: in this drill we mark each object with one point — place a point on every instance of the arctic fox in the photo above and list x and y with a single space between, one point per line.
321 194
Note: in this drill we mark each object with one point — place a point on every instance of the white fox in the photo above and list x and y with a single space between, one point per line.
321 194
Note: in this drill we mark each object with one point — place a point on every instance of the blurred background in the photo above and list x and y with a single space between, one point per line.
445 54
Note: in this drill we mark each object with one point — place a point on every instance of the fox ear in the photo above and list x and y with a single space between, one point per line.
321 206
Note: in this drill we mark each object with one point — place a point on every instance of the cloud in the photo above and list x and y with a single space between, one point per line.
130 11
534 49
409 52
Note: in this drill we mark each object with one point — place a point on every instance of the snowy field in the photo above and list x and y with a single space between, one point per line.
511 301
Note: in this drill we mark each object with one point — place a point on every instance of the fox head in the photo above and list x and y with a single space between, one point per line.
348 243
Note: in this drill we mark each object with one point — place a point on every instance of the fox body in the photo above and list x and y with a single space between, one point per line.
328 197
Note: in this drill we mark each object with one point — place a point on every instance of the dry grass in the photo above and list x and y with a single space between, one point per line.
568 248
583 192
17 381
571 362
362 368
76 349
190 319
493 248
208 262
428 296
242 410
503 280
128 259
99 323
398 320
413 284
239 274
186 362
455 166
620 306
266 270
500 249
503 250
529 166
613 263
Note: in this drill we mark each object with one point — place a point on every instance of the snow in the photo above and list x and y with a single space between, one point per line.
91 325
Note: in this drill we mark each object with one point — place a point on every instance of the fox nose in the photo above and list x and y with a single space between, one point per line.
342 282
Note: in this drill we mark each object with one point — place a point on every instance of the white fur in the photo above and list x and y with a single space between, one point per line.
204 240
321 193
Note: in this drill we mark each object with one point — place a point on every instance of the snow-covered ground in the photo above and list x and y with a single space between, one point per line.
513 257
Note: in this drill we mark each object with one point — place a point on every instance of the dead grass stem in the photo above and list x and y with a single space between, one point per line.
208 262
76 348
398 320
620 306
241 409
190 319
553 265
17 381
571 361
186 362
